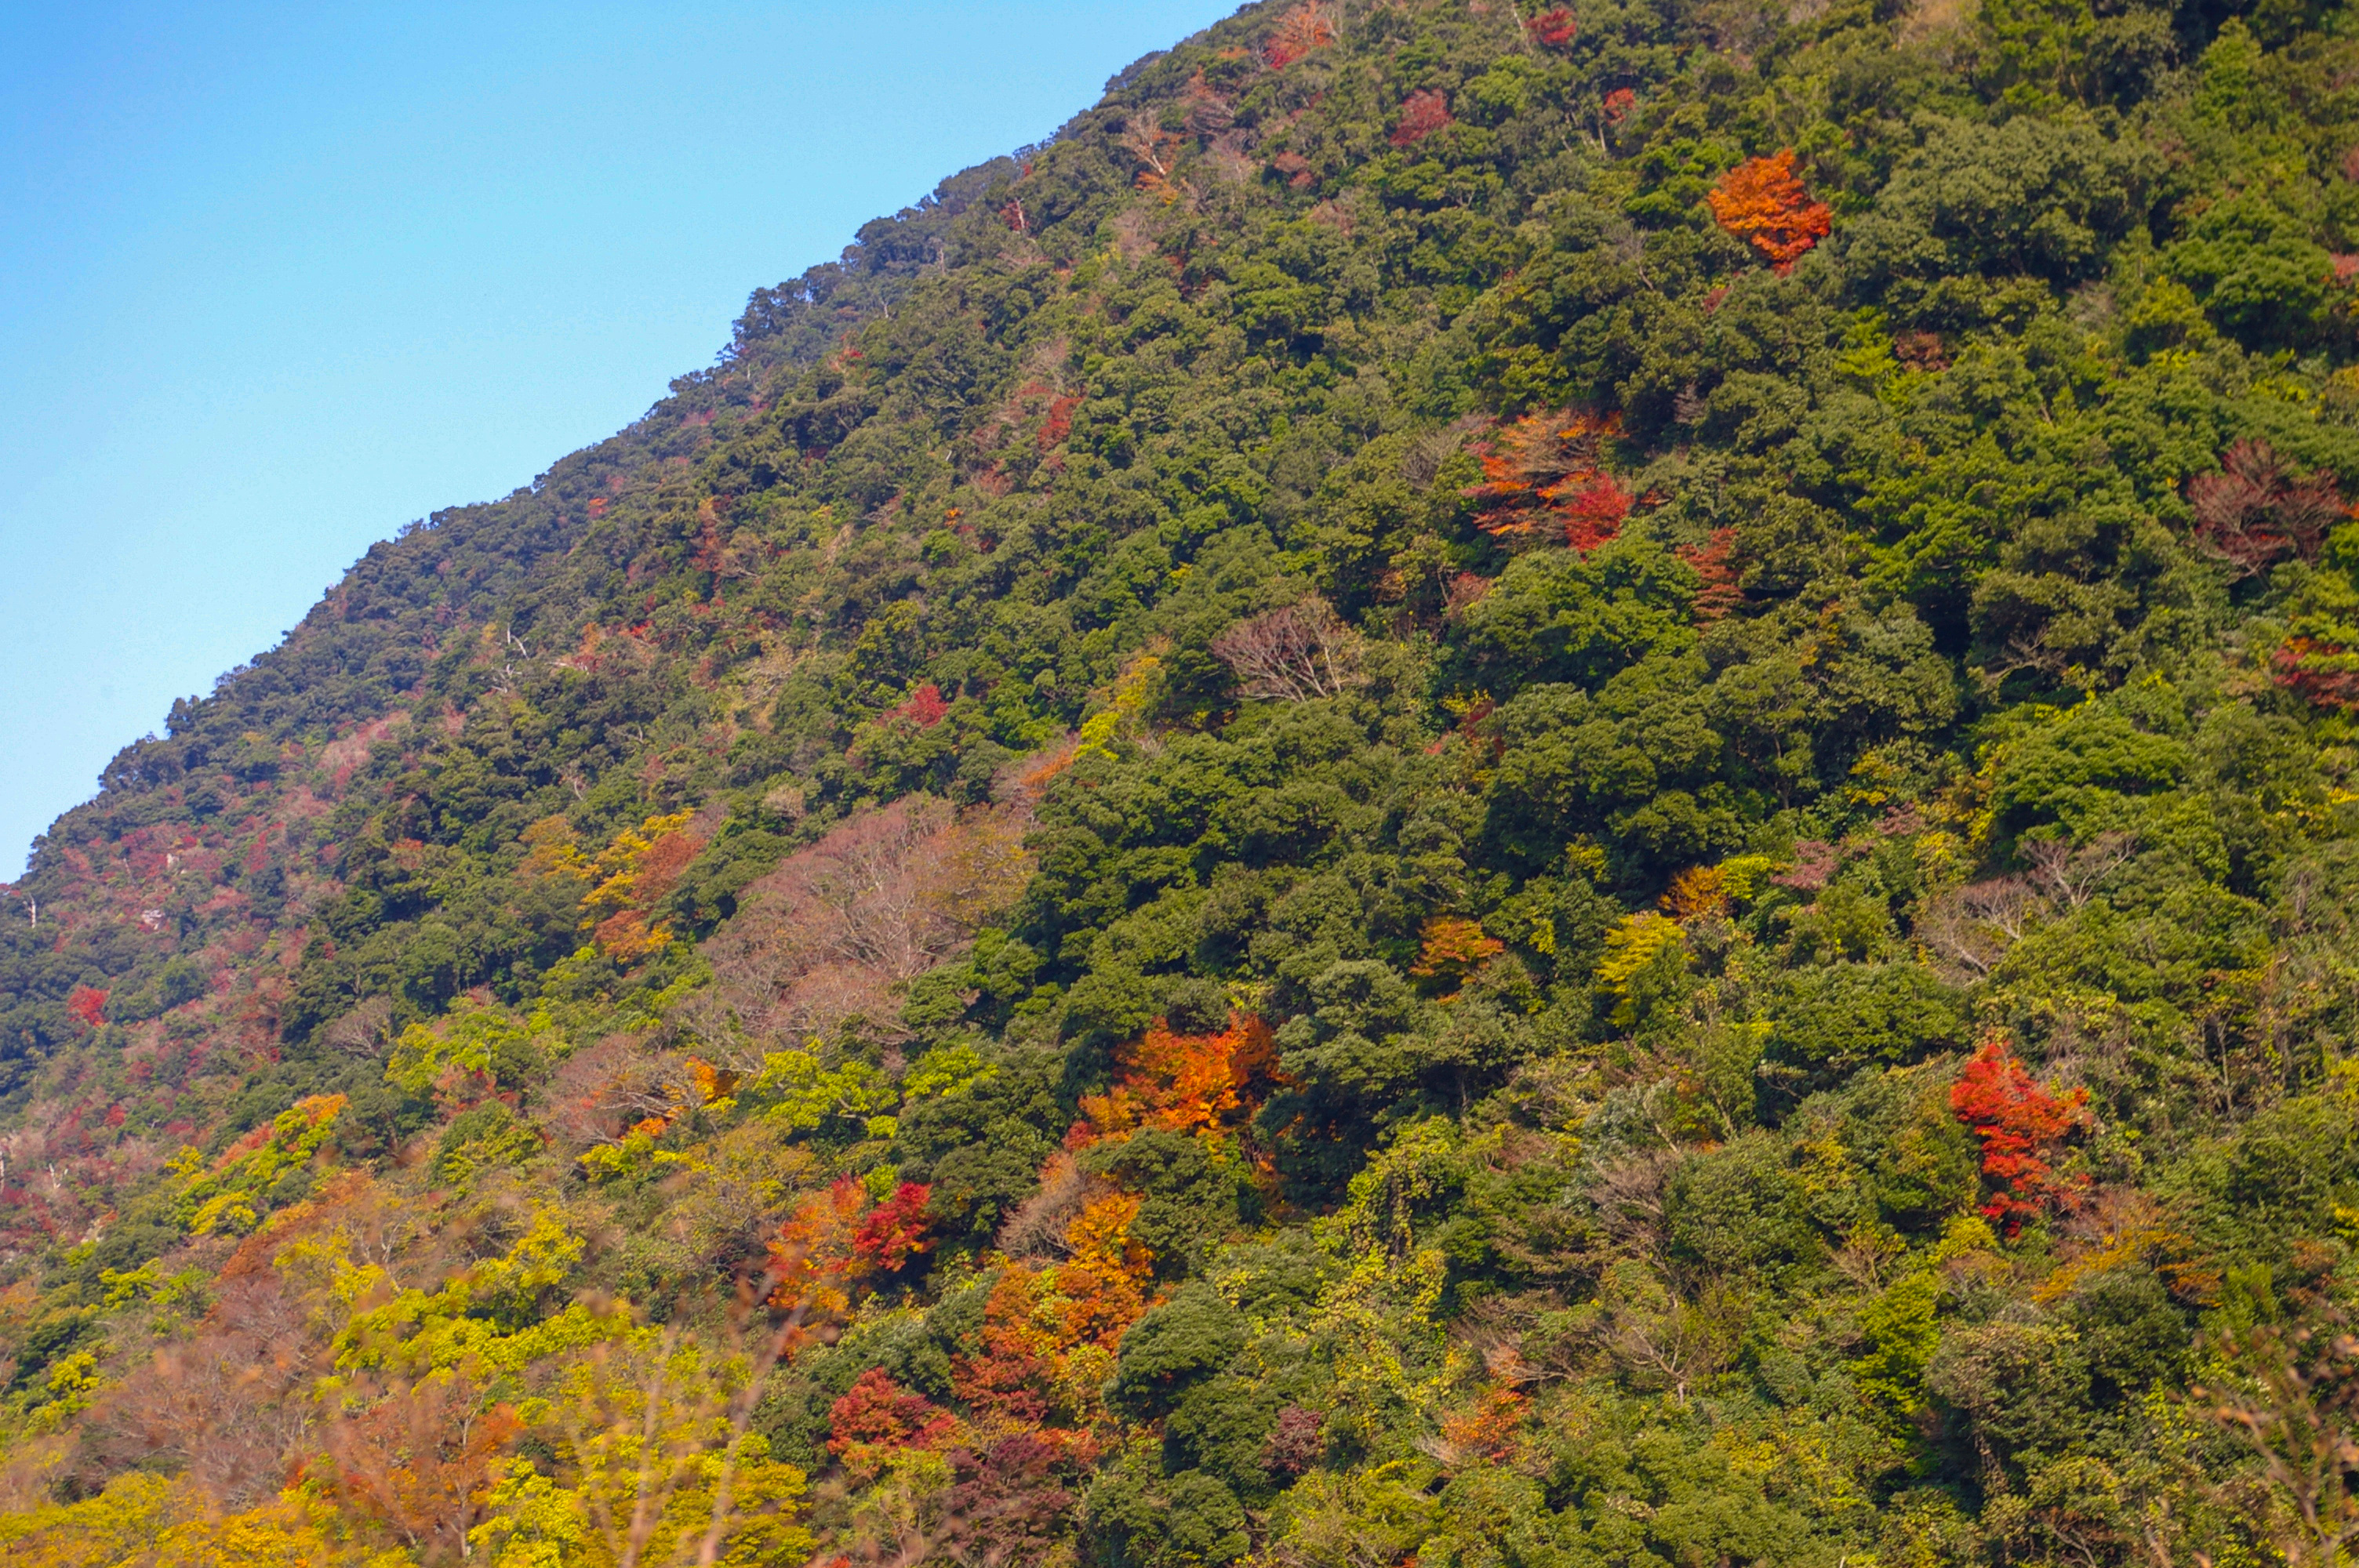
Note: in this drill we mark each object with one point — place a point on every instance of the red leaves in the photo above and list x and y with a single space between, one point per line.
834 1239
1060 422
1422 115
2260 508
1592 510
1715 562
2021 1125
1548 468
1618 105
1556 28
88 1004
1761 202
922 709
894 1230
2319 672
879 1414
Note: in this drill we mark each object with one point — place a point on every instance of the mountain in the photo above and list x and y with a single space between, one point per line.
1509 786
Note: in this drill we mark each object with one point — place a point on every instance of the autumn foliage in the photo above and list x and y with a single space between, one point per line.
894 1230
1556 28
1309 25
1547 470
1763 204
1185 1082
88 1004
2259 509
2021 1126
1422 115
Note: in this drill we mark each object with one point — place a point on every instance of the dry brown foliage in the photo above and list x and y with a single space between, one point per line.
826 938
1293 654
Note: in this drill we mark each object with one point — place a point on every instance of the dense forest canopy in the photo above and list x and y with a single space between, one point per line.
1500 784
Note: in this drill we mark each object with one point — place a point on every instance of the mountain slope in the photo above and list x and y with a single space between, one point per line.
1548 785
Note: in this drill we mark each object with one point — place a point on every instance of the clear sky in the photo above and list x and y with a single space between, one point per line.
276 279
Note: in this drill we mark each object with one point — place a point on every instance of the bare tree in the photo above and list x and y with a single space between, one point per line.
1294 655
2073 874
831 932
1968 930
2297 1407
2260 508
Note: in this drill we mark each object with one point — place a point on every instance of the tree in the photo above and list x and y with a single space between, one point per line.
1763 204
2021 1127
1292 655
419 1458
2259 509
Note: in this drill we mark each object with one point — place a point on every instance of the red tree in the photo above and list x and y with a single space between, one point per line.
894 1230
878 1413
1422 115
923 707
1761 202
1715 562
2021 1126
87 1004
1556 28
2259 509
1592 509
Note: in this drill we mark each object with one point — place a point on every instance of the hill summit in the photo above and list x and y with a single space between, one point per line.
1494 785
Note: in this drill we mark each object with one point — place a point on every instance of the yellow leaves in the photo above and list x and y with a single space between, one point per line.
552 851
653 1464
1100 1240
232 1196
1630 947
1134 689
635 871
486 1315
143 1518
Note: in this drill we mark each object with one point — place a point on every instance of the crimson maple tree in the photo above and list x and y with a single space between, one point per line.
2021 1125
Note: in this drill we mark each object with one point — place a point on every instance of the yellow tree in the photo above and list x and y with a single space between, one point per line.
655 1465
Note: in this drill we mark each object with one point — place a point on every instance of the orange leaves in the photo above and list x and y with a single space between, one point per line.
1307 27
1453 948
87 1004
417 1460
2021 1126
1700 891
1761 202
1103 1284
1489 1430
637 869
1714 562
1185 1082
1549 468
833 1240
812 1262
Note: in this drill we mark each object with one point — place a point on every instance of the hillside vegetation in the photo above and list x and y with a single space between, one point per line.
1502 787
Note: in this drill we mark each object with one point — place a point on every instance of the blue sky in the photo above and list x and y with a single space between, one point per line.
277 280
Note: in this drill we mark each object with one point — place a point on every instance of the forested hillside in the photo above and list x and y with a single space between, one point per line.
1496 786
